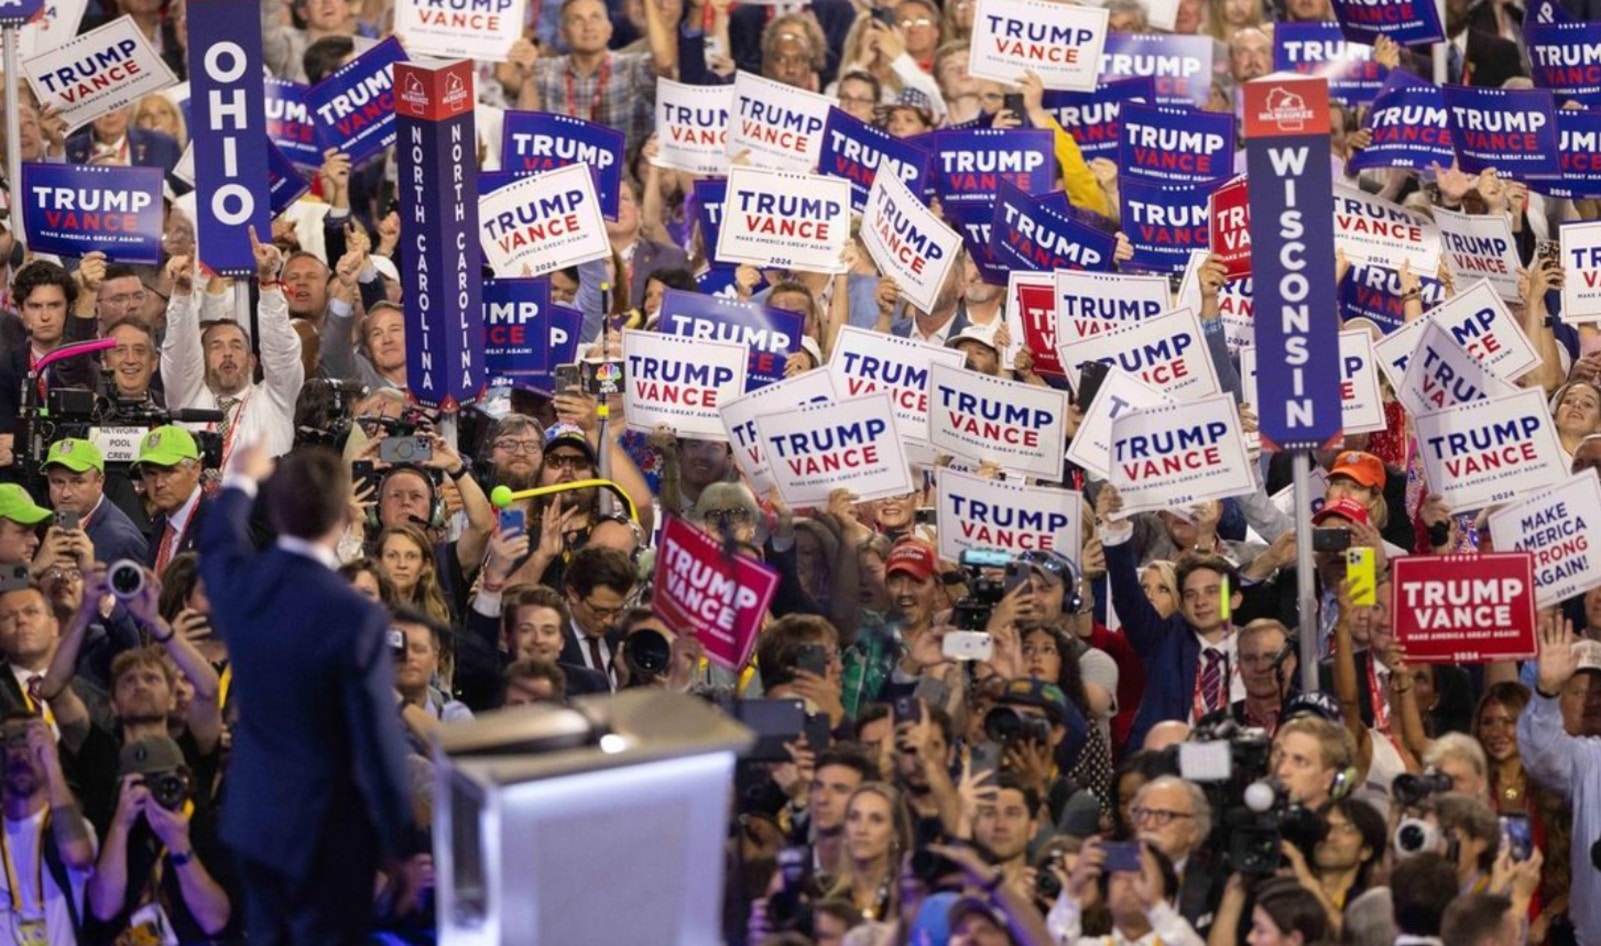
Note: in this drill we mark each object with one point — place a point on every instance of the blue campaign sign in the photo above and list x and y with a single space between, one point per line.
354 108
535 142
856 151
718 280
1511 130
285 183
1164 224
1027 234
229 122
1410 124
1094 118
975 224
1408 22
73 209
772 334
289 122
970 167
18 12
1321 49
1181 65
1566 58
1176 145
1374 293
1545 11
710 195
1287 155
1579 144
439 202
516 327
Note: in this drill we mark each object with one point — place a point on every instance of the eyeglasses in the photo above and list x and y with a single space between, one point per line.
125 298
1158 817
59 574
567 461
600 612
519 446
910 22
719 517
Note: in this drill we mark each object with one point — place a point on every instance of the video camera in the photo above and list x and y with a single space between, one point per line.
115 427
984 592
1230 763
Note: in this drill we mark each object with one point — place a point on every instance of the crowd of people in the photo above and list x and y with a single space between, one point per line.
1052 792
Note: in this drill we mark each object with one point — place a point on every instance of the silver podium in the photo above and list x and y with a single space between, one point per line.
602 824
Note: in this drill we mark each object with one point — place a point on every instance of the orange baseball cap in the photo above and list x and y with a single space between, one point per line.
1365 468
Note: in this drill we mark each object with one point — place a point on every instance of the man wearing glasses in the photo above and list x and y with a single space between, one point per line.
598 582
1173 816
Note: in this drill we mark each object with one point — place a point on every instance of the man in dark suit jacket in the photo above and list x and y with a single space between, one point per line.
169 464
42 327
112 139
1486 60
641 256
597 582
318 791
76 471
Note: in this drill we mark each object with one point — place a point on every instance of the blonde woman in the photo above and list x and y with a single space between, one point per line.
878 832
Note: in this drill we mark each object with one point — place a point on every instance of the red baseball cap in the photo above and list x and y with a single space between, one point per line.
1365 468
913 557
1344 508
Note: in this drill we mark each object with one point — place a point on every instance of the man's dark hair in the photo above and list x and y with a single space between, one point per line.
134 322
438 630
861 75
1472 919
309 494
868 715
779 646
118 271
42 273
1470 817
849 756
530 669
178 581
594 567
530 595
1211 563
676 278
1031 798
1293 909
1421 887
324 56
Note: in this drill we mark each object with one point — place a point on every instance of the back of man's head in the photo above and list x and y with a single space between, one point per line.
309 494
1478 919
1421 888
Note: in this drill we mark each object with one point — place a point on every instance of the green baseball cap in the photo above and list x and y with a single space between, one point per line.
18 506
167 446
79 456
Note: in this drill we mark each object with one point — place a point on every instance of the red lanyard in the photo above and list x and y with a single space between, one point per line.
602 76
1381 708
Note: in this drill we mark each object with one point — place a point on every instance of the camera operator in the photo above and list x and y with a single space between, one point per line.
1030 721
1473 837
1141 902
211 366
1309 754
131 367
655 656
42 827
158 877
76 472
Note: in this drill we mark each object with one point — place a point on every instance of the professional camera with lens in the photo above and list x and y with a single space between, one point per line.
1410 791
125 579
973 611
1230 763
169 789
1257 830
1005 724
647 653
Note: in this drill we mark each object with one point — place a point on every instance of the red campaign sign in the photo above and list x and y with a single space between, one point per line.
1036 309
1464 608
1230 237
719 598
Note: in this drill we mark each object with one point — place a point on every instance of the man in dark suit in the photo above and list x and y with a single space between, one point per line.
169 464
942 323
317 782
113 140
597 582
76 471
52 311
1475 57
641 256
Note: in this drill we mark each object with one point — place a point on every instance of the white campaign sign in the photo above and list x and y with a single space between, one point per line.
816 449
792 221
779 126
1361 397
692 127
1091 446
681 382
1554 526
1480 246
1061 43
739 419
865 362
1317 488
55 24
460 29
1486 452
1020 427
979 513
1167 352
1372 230
1179 454
542 223
104 69
907 240
1581 272
1478 321
1441 374
1091 303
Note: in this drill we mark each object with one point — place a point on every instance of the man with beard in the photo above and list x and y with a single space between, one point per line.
1007 825
945 320
211 367
42 826
570 457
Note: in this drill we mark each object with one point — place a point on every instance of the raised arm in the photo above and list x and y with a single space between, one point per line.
183 364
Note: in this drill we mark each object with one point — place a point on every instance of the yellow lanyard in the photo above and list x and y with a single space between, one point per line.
39 707
224 681
38 868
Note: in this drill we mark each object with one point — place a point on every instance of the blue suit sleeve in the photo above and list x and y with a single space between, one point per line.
377 744
1141 624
